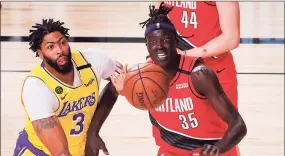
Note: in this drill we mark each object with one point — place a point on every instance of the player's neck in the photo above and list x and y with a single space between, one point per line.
67 78
172 67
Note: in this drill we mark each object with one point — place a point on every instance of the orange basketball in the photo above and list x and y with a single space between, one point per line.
146 86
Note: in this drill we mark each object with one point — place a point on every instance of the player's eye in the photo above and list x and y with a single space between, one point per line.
50 47
166 40
152 42
63 42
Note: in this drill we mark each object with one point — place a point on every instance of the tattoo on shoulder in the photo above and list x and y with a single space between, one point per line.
46 123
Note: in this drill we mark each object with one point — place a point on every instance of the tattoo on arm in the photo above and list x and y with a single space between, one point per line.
64 153
46 123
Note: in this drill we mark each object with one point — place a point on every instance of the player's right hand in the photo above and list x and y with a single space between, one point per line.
118 80
94 144
209 150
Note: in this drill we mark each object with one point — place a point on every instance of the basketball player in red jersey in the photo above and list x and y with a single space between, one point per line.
211 30
197 118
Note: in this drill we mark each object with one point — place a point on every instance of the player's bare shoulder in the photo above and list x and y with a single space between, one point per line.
200 70
203 77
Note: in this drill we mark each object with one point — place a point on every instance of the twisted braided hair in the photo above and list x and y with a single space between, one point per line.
157 15
160 16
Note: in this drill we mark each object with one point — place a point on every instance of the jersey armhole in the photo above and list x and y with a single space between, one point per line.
211 3
94 71
195 62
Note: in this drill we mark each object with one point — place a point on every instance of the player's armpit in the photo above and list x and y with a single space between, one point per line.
206 82
51 134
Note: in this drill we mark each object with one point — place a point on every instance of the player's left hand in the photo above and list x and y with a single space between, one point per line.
93 145
209 150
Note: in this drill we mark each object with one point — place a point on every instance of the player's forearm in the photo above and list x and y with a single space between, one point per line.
52 136
221 44
236 131
108 98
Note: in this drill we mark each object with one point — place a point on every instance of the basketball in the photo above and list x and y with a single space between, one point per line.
146 86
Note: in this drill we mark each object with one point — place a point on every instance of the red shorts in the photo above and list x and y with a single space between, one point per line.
168 150
172 152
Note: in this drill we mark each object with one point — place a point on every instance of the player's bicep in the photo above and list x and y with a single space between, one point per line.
50 132
229 17
206 82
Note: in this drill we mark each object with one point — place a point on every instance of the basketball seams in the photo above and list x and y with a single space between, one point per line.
153 86
156 84
144 72
141 67
133 102
144 87
141 79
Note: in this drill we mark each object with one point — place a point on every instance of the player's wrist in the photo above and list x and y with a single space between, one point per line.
221 147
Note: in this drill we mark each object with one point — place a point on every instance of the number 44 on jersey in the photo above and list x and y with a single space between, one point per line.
189 19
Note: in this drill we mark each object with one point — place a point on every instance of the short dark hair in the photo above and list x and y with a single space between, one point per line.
47 26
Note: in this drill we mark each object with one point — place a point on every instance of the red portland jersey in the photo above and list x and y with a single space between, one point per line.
197 19
186 115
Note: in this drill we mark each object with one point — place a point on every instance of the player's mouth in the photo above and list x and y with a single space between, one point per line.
161 55
62 60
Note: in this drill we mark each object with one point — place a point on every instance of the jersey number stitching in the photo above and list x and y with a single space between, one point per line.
188 119
192 20
79 118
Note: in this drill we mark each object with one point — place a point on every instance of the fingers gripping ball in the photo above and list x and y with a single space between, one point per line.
146 86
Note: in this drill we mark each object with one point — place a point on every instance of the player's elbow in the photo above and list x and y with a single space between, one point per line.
240 127
232 39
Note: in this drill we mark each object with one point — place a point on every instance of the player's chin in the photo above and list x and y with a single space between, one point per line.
161 63
65 68
62 66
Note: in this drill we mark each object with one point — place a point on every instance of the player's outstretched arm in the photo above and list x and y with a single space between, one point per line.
51 134
229 17
206 82
107 99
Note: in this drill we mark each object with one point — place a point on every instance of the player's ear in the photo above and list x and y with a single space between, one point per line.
40 53
145 41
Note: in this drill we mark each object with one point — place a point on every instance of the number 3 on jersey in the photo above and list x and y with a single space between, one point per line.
188 119
79 119
192 19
